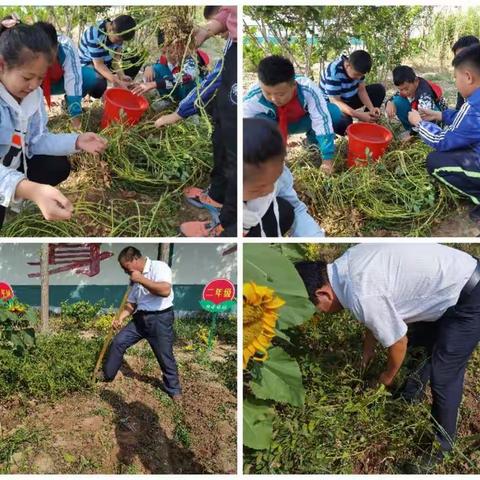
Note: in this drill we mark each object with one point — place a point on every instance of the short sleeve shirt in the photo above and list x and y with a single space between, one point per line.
335 82
388 286
95 45
142 297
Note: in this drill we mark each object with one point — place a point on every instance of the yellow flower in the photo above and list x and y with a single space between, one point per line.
260 305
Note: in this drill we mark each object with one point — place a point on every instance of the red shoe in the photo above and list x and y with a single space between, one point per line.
201 229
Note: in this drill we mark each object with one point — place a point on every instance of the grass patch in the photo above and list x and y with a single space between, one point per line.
134 189
59 364
393 197
16 442
347 425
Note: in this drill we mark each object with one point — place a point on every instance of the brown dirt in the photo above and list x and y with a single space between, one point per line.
129 426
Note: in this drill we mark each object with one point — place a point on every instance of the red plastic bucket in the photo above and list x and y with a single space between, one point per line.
366 141
122 105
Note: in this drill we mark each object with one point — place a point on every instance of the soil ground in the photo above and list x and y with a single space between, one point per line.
131 425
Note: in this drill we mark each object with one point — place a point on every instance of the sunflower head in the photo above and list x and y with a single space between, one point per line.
260 314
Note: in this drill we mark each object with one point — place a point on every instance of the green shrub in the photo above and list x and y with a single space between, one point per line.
59 364
79 315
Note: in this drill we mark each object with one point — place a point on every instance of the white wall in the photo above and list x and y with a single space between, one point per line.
192 264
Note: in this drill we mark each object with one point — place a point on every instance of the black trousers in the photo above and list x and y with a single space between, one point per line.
449 343
269 221
157 329
46 169
226 138
459 169
376 92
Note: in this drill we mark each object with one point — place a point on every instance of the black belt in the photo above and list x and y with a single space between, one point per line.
472 282
153 312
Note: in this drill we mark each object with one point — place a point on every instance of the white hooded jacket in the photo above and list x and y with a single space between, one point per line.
23 134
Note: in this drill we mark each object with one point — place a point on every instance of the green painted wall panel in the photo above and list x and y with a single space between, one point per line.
186 296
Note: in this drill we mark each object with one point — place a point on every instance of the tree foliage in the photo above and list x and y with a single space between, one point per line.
315 35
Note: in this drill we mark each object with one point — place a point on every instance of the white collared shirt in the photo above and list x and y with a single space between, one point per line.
142 297
387 286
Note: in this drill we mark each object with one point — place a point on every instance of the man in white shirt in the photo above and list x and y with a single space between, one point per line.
150 302
389 287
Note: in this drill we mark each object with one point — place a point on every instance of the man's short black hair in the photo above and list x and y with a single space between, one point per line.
128 254
314 276
469 56
123 26
275 69
361 61
403 74
262 141
465 41
209 12
50 30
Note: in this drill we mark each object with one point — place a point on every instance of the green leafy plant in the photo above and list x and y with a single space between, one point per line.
275 379
79 315
17 327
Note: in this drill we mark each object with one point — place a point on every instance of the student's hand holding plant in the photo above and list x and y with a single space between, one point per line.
77 122
91 142
365 117
430 115
142 88
375 111
51 202
414 118
385 379
169 119
122 82
390 110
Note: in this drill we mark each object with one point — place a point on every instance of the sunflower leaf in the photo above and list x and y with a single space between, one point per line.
280 379
257 423
283 278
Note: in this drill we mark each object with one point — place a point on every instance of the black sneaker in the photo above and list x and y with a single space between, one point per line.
426 464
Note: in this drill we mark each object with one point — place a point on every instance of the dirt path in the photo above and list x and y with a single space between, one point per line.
131 426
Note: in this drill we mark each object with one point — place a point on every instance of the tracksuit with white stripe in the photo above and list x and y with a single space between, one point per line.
456 160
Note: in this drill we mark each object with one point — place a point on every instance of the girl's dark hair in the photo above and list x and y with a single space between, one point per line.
22 43
262 141
314 276
50 30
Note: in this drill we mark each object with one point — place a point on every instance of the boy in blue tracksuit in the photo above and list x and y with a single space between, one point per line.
456 160
295 103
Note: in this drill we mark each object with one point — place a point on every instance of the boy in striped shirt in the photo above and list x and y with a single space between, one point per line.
100 45
456 159
295 103
343 83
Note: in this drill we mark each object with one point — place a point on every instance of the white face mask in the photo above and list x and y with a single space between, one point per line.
254 210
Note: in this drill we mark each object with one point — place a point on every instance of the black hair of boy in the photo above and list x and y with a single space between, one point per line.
275 69
23 43
314 276
50 30
403 74
465 41
210 11
469 56
262 141
361 61
160 37
124 26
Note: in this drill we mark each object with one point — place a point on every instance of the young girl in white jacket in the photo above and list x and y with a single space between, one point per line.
32 160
